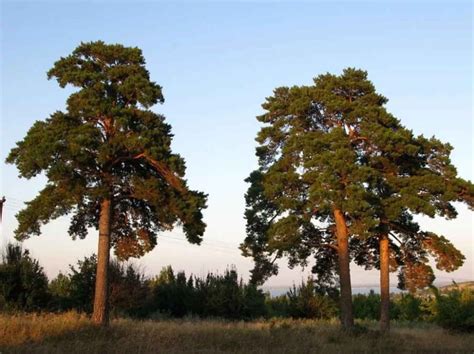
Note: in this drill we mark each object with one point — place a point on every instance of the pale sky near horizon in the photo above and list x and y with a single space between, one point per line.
217 61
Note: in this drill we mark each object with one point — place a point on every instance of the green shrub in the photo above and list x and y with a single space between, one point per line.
277 306
366 306
60 290
23 283
223 296
128 292
305 301
454 310
410 308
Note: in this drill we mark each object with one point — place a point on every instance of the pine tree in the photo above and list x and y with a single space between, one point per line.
410 175
311 159
332 156
108 161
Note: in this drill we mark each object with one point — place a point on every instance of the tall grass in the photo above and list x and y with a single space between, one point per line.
73 333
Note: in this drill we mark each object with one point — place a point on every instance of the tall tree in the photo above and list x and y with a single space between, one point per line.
108 161
331 154
311 172
411 175
310 156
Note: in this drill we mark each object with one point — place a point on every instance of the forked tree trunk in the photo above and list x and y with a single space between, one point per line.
100 315
347 319
384 284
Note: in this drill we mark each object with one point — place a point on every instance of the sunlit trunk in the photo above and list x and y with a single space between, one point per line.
342 234
101 298
384 284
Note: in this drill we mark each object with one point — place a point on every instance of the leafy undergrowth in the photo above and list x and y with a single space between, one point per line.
74 333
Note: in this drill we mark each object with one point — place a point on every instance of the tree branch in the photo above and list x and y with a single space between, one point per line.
159 166
334 247
395 237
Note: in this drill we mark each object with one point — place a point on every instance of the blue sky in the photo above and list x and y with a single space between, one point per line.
217 62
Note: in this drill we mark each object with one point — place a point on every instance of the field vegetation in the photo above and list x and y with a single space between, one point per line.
74 333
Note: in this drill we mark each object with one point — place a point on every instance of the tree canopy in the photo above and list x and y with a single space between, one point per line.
332 151
108 161
108 143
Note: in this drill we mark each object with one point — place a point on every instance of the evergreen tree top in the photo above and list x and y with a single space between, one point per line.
107 144
333 145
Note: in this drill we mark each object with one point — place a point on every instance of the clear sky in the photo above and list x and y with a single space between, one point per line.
217 62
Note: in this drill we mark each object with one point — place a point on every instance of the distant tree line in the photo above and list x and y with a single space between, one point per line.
25 287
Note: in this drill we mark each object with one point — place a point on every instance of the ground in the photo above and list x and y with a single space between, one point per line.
74 333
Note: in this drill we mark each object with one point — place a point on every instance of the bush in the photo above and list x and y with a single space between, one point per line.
127 288
166 295
60 290
366 306
82 284
254 302
277 306
223 296
410 308
23 283
172 295
455 309
305 301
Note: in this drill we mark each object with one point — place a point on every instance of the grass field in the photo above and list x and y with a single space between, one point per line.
73 333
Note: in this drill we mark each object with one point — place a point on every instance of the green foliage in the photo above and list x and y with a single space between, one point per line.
366 306
410 307
260 213
108 144
334 145
128 290
405 307
222 296
305 302
415 276
172 294
23 283
60 290
455 309
277 306
24 288
82 284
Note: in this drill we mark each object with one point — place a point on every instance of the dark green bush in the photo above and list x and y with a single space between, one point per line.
223 296
305 301
454 310
127 288
172 295
277 306
366 306
23 283
410 308
60 290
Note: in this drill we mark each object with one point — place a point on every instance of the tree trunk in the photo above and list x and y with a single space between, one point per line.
384 284
101 298
347 319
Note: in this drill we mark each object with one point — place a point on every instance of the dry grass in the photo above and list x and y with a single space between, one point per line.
73 333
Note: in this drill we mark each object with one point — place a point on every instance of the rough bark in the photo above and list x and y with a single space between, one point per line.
100 315
384 284
347 319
